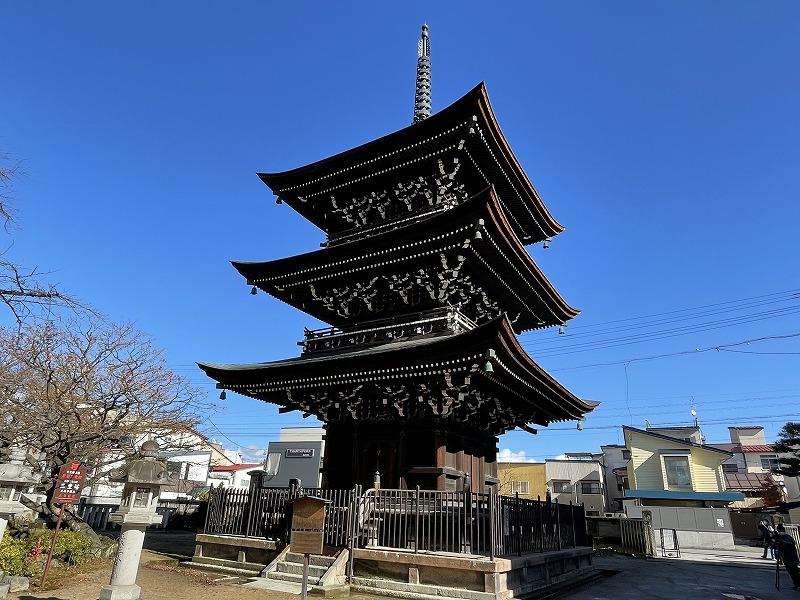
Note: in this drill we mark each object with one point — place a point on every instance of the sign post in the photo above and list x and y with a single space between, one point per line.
308 531
70 482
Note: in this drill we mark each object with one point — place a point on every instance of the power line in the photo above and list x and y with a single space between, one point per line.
720 347
745 303
647 336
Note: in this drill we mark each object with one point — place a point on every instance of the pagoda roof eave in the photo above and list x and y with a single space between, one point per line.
515 373
499 255
535 222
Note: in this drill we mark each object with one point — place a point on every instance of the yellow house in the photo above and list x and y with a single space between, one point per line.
527 479
668 471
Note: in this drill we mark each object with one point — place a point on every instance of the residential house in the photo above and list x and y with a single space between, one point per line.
680 484
751 466
687 433
614 461
232 476
528 479
670 471
188 455
578 478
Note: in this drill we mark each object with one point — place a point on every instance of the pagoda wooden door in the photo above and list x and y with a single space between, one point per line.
381 457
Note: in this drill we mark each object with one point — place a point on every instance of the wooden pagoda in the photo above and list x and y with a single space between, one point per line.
425 281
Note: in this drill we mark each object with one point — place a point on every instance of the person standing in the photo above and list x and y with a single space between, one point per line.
767 535
787 553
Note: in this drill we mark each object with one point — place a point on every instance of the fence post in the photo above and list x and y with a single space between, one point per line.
572 516
250 502
540 528
209 505
558 523
355 505
518 526
416 520
493 536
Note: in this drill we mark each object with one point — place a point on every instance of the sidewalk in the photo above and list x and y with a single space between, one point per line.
739 574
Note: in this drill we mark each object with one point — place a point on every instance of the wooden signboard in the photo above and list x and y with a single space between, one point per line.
70 482
308 525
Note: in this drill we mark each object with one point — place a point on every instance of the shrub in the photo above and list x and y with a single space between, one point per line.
26 555
72 547
12 554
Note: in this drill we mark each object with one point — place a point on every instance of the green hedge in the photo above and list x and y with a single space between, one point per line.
27 555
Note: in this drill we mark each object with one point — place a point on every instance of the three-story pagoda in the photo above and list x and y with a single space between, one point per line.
425 282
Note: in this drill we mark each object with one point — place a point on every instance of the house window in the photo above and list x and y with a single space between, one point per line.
622 483
730 468
677 468
520 487
592 513
626 454
769 462
562 487
590 487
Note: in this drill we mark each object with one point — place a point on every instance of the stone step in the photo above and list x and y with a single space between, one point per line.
273 585
297 569
221 569
283 576
227 563
318 560
417 591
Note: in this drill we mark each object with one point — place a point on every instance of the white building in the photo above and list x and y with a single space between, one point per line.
578 478
232 476
615 474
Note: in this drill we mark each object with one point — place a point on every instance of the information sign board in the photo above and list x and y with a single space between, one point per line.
308 525
70 482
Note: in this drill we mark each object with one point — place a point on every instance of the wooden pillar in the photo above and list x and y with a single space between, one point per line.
357 451
440 444
401 460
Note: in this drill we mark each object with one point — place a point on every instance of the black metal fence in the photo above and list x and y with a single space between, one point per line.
266 513
412 520
96 514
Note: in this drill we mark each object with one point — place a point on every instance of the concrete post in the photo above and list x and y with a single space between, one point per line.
3 524
126 565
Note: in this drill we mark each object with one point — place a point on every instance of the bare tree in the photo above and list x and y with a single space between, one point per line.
22 289
10 170
82 391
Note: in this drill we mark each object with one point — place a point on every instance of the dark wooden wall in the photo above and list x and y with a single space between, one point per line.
429 454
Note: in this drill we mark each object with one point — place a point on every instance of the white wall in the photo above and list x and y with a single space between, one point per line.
576 471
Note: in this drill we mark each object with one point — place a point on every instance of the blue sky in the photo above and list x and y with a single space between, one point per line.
663 135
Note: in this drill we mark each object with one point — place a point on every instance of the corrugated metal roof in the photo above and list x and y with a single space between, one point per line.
746 482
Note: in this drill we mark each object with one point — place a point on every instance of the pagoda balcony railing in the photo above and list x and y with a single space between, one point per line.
359 233
482 524
446 320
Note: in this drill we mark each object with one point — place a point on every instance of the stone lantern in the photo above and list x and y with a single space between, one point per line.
16 478
143 478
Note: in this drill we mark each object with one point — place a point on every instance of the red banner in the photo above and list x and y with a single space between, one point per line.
70 482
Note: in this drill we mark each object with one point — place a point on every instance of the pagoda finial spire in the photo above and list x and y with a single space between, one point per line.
422 98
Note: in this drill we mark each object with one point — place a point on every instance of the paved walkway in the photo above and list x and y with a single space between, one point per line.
739 574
